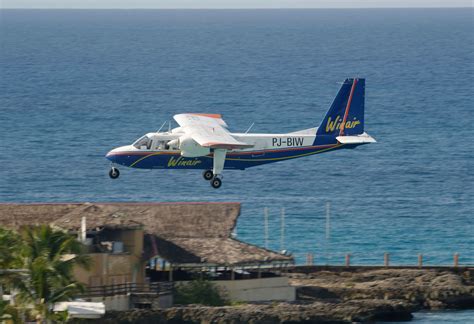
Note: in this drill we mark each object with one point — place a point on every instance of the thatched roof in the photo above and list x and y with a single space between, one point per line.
212 251
13 216
162 219
181 232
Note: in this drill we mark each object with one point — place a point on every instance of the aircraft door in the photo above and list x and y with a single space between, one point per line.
260 149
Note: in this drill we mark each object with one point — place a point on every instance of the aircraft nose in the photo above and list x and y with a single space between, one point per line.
111 154
119 154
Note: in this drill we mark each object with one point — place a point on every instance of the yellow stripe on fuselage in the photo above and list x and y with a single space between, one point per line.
143 158
252 159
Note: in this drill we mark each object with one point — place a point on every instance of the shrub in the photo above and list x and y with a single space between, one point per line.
200 291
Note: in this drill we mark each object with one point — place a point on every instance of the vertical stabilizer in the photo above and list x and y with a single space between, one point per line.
346 115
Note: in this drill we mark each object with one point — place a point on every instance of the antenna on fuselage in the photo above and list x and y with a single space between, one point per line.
161 126
249 128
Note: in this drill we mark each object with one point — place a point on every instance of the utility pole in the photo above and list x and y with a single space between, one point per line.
265 225
83 231
328 230
282 228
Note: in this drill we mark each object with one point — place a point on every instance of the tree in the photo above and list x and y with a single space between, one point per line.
49 257
9 242
8 313
9 263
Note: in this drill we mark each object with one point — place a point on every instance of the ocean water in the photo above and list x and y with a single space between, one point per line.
438 317
75 84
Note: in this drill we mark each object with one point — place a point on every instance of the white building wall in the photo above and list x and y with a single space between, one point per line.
116 303
264 289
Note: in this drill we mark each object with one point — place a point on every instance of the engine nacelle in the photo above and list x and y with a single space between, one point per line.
190 148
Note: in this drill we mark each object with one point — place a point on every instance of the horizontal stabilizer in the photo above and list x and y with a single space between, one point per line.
357 139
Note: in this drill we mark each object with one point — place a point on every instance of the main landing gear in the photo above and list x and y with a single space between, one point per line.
208 175
114 173
215 180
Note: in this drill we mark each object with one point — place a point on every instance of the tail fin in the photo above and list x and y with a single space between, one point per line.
346 115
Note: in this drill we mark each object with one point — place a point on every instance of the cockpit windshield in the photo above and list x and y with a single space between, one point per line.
143 143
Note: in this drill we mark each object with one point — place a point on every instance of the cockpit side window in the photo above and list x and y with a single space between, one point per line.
143 143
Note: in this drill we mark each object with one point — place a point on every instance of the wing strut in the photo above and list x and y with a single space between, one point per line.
219 160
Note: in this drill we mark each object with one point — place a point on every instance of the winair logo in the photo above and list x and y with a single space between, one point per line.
336 124
182 162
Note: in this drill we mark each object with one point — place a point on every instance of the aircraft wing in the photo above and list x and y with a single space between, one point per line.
209 130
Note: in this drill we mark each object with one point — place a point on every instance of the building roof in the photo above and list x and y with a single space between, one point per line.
163 219
212 251
182 233
13 216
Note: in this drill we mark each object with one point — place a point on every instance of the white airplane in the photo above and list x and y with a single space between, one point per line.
203 141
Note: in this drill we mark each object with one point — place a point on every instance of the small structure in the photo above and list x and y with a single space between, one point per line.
79 309
137 248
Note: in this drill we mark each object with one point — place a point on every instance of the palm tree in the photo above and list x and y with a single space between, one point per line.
49 257
9 241
8 312
9 272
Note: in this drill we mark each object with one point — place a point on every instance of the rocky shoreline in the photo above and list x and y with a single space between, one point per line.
334 296
314 312
418 288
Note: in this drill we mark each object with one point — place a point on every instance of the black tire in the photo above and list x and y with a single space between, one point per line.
216 183
114 173
208 175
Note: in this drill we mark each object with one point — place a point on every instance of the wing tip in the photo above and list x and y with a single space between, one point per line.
217 116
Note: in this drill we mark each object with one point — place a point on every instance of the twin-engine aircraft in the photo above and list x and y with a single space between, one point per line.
202 141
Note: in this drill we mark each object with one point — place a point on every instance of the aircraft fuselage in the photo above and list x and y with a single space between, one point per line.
203 140
267 148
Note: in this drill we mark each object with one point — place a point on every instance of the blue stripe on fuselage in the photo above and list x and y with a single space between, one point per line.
234 160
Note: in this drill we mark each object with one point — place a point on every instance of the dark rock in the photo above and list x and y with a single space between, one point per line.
422 288
316 312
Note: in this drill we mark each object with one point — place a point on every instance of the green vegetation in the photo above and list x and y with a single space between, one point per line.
199 292
8 312
9 243
37 265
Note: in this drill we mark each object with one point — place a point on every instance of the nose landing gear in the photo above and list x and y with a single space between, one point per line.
114 173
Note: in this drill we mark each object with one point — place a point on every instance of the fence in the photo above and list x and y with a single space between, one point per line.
128 288
381 259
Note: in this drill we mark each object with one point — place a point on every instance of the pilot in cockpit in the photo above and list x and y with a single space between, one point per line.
162 145
143 143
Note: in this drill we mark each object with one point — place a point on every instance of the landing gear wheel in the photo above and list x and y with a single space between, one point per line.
216 182
208 175
114 173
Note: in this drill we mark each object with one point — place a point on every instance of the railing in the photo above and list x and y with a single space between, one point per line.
128 288
381 259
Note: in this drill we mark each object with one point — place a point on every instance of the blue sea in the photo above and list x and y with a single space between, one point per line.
77 83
